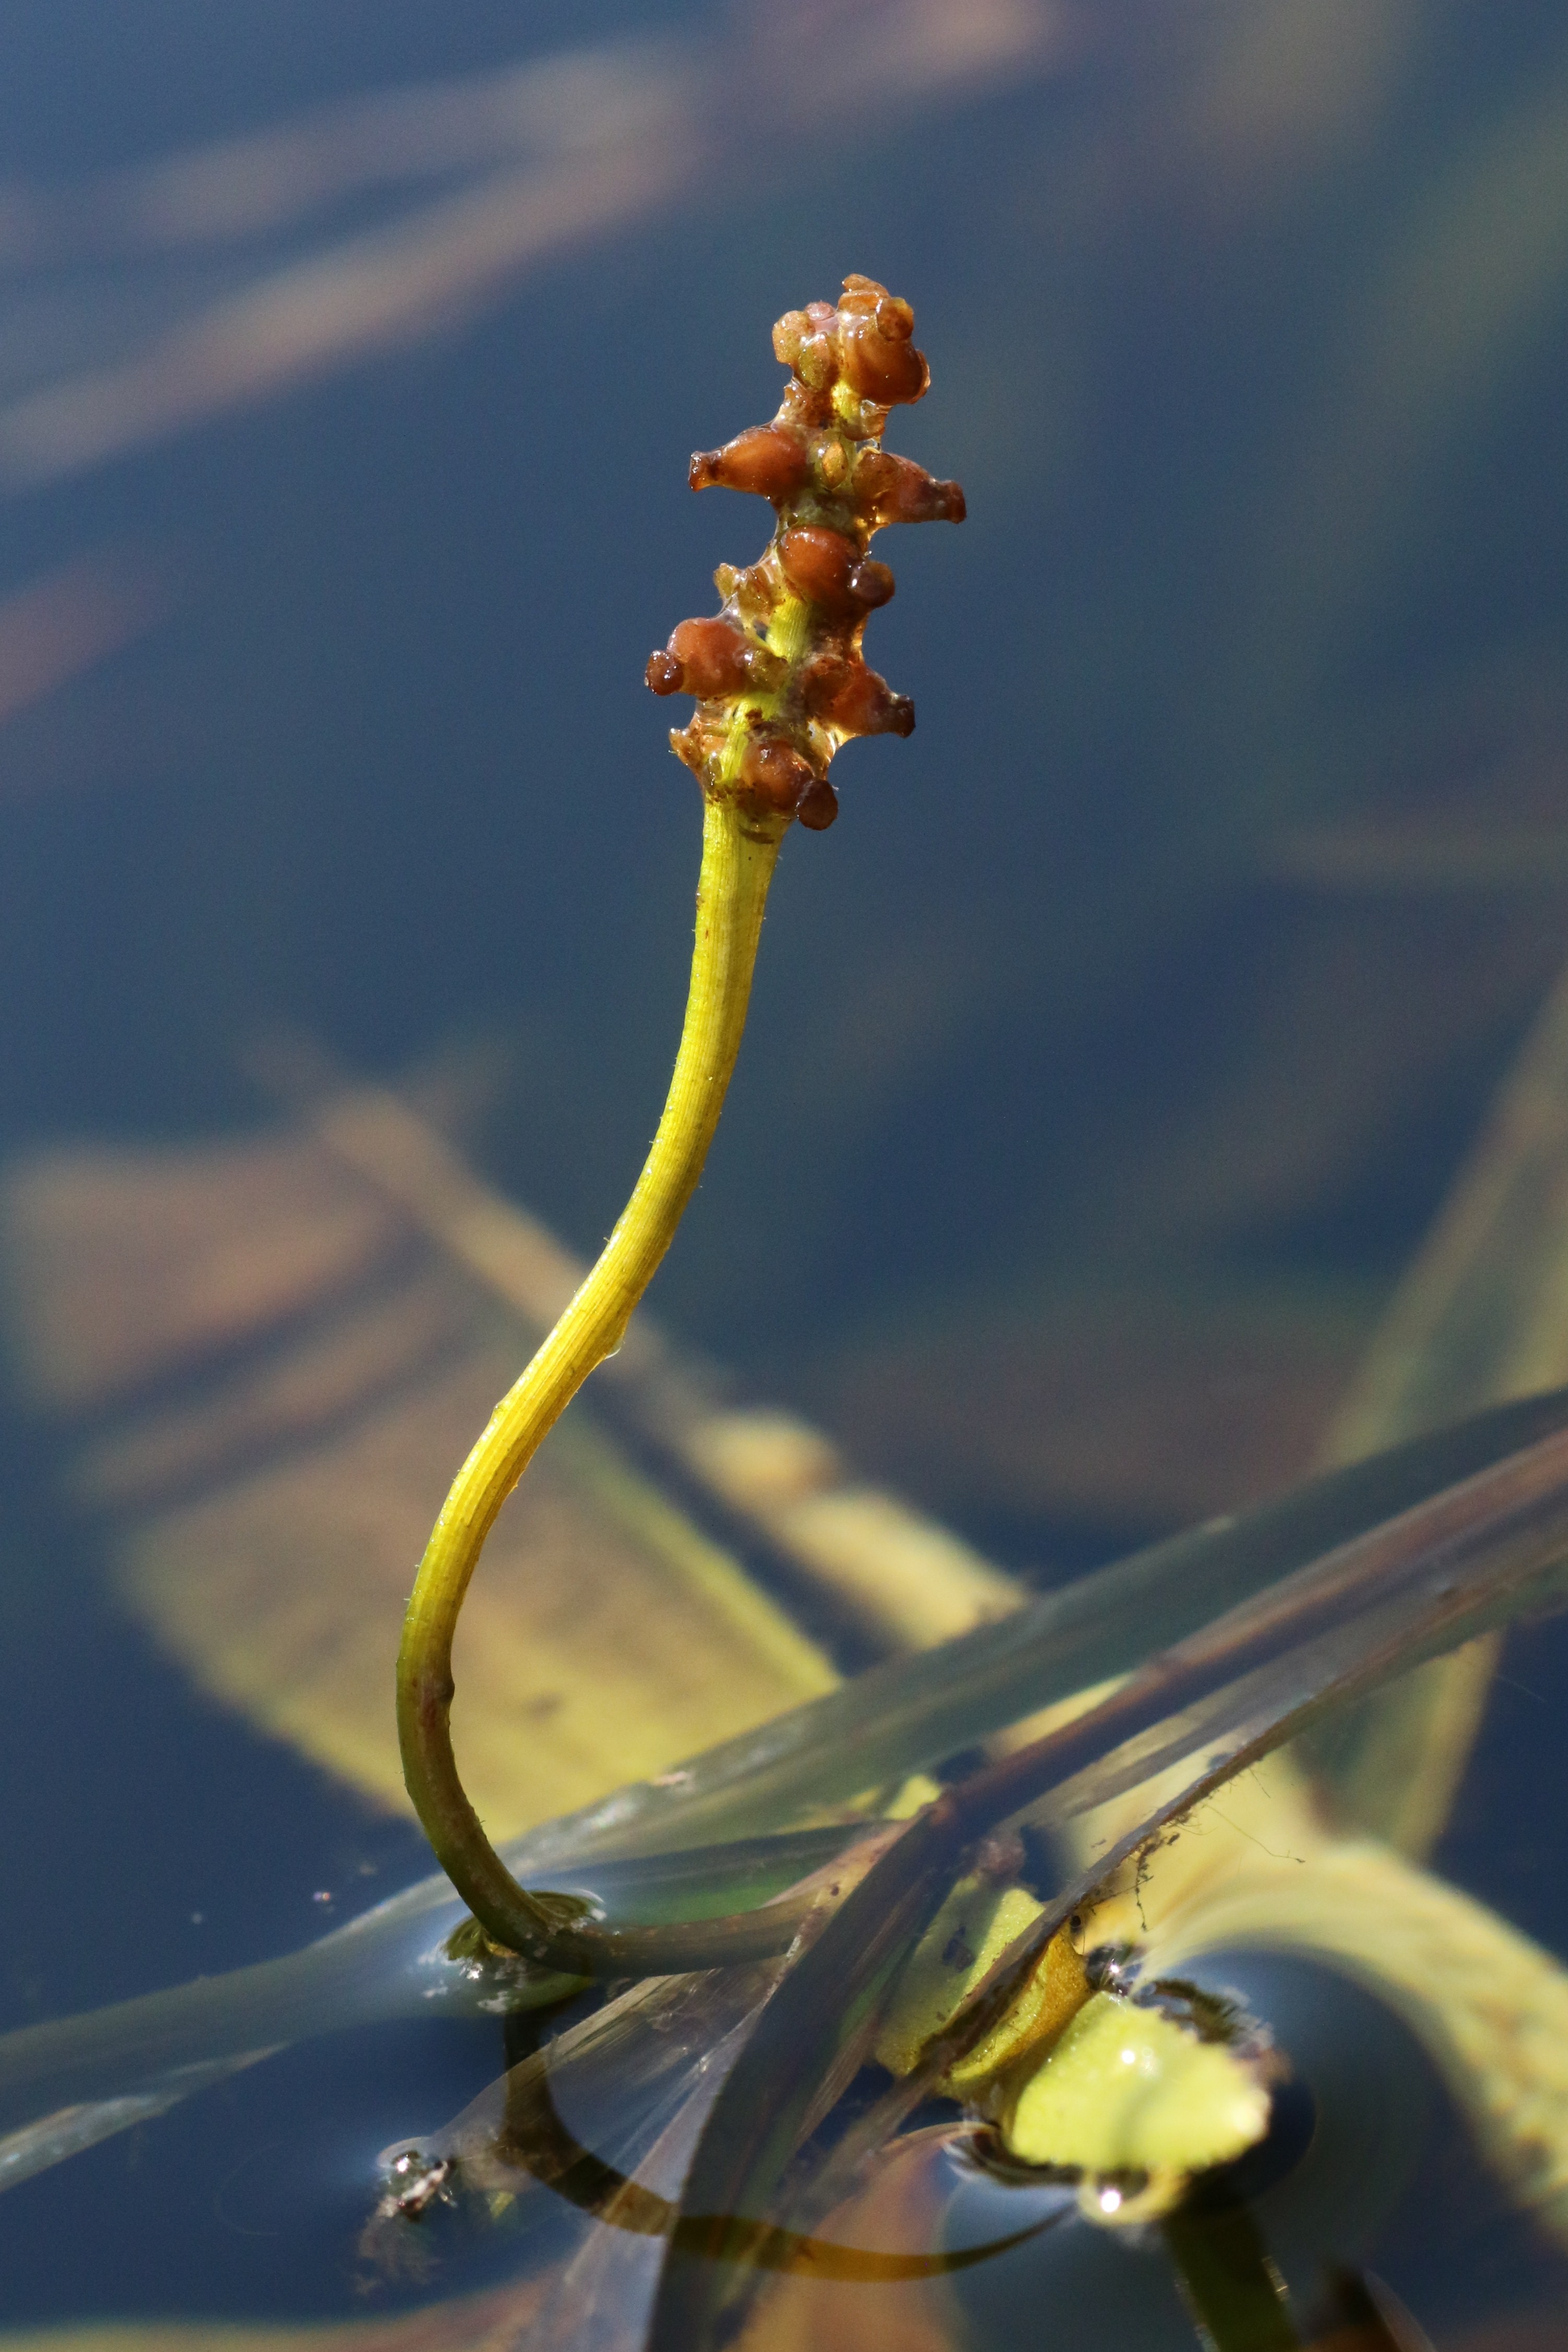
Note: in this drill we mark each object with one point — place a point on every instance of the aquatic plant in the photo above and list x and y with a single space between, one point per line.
945 1953
1265 1621
925 1947
779 683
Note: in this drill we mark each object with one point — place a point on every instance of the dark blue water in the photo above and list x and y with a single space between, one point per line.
1251 359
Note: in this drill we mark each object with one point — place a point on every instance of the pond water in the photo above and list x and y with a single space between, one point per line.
1155 1087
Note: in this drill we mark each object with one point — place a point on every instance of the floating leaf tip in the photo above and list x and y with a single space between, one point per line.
777 673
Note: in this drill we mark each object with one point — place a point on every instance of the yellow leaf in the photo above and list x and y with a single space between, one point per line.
1125 2089
500 2321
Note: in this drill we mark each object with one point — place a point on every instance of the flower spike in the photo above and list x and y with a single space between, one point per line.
780 684
778 673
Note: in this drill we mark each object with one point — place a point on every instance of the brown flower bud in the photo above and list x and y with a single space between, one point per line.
687 744
778 675
711 655
817 563
818 806
871 583
895 490
764 459
864 704
822 680
887 372
755 593
776 777
803 410
817 362
789 334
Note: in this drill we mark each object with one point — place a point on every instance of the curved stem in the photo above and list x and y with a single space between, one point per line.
738 854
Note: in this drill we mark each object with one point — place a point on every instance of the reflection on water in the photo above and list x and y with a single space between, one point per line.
1162 1094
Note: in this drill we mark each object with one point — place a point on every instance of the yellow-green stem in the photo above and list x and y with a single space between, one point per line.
738 854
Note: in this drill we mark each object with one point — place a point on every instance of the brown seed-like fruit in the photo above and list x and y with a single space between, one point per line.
765 459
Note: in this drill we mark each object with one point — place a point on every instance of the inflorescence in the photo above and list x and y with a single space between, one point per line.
778 674
779 684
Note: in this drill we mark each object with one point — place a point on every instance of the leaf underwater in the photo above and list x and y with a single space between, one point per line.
1280 1867
314 1377
303 1313
496 2322
267 1524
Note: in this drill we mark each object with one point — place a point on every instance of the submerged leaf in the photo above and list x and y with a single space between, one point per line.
501 2321
280 1376
1478 1317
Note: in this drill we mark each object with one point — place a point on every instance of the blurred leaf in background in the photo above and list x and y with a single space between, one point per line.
279 1378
